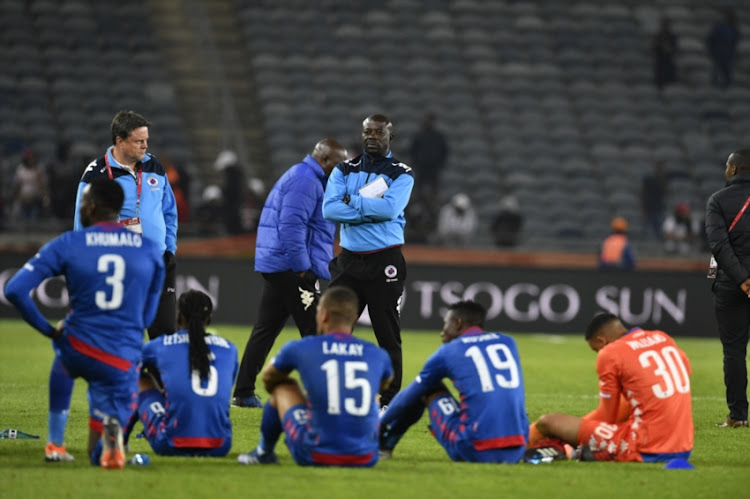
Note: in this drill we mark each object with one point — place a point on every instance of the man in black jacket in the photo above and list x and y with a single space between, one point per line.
728 232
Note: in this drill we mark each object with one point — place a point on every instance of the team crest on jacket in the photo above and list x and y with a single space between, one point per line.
152 181
391 272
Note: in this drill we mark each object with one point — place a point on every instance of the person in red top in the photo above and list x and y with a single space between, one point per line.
653 374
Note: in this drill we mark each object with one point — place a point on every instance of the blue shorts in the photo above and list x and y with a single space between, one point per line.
154 418
446 427
303 446
112 390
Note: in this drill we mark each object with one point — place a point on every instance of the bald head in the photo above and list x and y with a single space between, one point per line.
329 153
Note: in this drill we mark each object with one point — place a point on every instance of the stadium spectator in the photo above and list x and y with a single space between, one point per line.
210 210
653 205
722 44
653 374
187 412
175 178
664 48
490 424
457 222
508 223
421 214
149 209
367 195
616 251
233 189
336 424
30 197
727 229
293 248
681 230
63 179
429 153
256 191
114 278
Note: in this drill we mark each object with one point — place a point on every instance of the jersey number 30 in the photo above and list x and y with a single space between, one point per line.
669 366
113 266
501 359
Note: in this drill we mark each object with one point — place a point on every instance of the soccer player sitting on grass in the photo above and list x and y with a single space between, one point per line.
189 416
114 278
489 425
336 424
653 375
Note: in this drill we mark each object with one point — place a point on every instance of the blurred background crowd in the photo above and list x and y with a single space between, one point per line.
531 125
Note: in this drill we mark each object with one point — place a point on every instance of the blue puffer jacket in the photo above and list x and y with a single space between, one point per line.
292 233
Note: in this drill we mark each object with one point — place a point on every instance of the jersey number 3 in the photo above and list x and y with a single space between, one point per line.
113 266
502 361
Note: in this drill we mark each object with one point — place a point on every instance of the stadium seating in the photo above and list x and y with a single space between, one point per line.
538 97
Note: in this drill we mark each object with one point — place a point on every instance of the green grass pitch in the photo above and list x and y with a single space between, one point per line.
559 375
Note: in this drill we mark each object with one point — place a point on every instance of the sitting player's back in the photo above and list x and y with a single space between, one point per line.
341 375
484 369
197 411
654 375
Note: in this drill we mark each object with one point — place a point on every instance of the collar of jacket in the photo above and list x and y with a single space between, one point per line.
740 178
315 167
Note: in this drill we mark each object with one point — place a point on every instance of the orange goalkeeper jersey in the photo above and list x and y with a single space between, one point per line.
653 374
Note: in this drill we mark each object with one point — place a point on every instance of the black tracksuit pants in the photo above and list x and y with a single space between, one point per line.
732 309
165 321
378 280
284 294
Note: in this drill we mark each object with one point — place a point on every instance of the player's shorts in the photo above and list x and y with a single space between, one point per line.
620 442
448 430
302 444
112 390
153 416
611 442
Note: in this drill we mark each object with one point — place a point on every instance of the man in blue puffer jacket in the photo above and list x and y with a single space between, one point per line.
293 248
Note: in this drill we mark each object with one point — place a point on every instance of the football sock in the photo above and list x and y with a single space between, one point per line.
410 415
96 454
270 429
60 392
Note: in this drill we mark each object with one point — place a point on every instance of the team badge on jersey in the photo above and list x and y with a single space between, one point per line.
152 181
391 272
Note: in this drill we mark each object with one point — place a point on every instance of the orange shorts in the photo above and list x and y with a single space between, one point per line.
611 442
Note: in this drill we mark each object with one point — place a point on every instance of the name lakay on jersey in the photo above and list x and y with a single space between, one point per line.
340 348
114 239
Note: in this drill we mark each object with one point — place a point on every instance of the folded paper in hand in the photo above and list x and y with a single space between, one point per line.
375 189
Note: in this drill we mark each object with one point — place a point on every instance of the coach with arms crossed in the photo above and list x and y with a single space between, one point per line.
367 195
149 208
292 250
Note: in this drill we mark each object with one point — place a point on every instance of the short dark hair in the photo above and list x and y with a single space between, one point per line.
342 303
106 194
472 313
124 123
599 321
741 160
